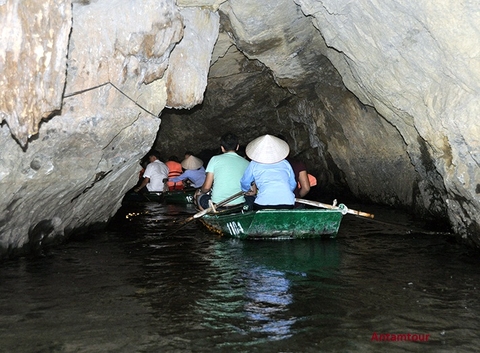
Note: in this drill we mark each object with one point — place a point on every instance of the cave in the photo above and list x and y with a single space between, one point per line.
379 100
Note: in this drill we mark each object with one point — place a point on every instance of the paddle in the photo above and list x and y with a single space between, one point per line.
219 204
207 210
324 205
145 196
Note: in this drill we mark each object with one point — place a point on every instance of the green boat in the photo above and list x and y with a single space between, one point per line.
152 196
276 224
179 197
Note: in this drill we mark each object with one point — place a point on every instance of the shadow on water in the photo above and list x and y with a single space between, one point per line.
141 286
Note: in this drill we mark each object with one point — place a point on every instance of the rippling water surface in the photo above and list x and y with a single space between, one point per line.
152 283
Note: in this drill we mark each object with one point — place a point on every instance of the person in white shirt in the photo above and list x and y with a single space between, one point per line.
155 175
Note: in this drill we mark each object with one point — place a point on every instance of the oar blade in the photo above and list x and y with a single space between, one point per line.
323 205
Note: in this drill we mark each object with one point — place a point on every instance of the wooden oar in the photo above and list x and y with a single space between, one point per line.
208 210
324 205
220 204
145 196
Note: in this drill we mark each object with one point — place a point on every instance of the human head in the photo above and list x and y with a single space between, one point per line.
229 142
188 153
153 155
174 158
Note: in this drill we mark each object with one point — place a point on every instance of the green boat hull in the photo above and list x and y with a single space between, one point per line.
276 224
153 196
179 197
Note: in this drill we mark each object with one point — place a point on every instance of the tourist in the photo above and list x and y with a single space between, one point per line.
223 175
174 170
301 174
194 173
155 175
269 174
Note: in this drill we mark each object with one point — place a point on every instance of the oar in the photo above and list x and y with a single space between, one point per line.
324 205
145 196
220 204
207 210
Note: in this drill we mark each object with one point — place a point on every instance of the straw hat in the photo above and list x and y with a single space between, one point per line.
267 149
192 163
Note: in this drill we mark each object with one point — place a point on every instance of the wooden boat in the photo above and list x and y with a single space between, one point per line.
276 224
179 197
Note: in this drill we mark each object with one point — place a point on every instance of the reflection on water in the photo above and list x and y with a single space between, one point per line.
153 283
255 286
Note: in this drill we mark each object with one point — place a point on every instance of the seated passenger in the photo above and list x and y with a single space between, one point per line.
269 173
194 172
154 176
301 174
175 169
223 175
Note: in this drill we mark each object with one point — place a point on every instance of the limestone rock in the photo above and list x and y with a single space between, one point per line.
380 98
190 60
32 62
416 63
72 175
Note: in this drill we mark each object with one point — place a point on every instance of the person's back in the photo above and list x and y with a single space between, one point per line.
301 175
223 174
274 182
174 170
227 169
155 174
272 174
157 171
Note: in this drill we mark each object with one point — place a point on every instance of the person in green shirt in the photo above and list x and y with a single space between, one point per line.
223 174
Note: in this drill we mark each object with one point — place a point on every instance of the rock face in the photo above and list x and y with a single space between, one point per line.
378 97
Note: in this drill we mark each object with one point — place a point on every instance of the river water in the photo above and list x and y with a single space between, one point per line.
148 285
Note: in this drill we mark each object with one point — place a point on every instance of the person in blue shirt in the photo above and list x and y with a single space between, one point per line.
194 172
269 174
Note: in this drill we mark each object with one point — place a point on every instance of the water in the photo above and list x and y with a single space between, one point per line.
148 285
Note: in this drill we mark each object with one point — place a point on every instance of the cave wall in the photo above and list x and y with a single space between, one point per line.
417 63
380 97
71 175
408 135
283 64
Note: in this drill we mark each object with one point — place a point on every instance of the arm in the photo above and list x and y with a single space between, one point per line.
181 177
304 183
144 183
207 184
291 175
247 179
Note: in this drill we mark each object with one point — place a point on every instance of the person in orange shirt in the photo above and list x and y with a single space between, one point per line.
174 170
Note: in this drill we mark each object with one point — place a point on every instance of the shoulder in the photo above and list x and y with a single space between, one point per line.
161 165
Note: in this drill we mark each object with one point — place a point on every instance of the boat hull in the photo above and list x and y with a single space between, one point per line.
276 224
179 197
153 196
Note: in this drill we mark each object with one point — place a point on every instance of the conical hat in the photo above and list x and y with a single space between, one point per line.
192 163
267 149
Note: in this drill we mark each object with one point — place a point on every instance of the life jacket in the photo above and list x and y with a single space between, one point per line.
311 179
174 170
